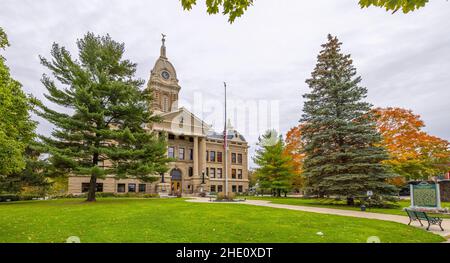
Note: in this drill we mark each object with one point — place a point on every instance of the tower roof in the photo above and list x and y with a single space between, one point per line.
163 64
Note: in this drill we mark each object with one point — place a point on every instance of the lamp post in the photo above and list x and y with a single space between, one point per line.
203 177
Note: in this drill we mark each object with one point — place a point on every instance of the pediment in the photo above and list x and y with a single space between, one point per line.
182 122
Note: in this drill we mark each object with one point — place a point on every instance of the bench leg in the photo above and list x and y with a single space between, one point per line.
409 222
441 226
428 228
420 222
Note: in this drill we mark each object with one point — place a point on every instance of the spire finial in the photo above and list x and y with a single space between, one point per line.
163 38
163 47
229 126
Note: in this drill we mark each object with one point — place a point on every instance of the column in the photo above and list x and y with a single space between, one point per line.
202 163
196 157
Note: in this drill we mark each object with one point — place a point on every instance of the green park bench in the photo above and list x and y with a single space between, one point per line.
419 216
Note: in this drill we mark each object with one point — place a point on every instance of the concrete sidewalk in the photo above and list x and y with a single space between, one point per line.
394 218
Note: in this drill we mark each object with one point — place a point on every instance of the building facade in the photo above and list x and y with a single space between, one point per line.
199 165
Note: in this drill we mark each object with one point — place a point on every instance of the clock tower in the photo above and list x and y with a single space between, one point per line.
163 83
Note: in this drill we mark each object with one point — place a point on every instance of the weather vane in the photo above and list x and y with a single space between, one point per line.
163 37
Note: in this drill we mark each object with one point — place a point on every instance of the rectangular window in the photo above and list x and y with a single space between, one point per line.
219 172
190 171
213 188
85 187
233 173
207 155
240 189
212 156
233 157
219 157
239 173
181 153
191 154
121 188
239 158
219 189
233 188
132 188
171 152
212 172
171 137
142 188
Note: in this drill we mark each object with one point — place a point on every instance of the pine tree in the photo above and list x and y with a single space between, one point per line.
275 168
104 130
343 152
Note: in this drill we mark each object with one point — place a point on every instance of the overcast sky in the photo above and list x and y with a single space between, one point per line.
404 60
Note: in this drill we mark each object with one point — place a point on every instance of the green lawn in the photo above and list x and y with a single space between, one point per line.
174 220
395 209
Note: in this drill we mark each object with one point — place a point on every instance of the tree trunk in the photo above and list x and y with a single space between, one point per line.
93 182
92 188
279 193
350 201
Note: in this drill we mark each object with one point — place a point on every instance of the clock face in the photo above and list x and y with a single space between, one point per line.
165 75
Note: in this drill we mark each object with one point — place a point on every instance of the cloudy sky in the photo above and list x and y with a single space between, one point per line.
265 56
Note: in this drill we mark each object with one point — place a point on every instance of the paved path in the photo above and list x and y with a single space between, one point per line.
341 212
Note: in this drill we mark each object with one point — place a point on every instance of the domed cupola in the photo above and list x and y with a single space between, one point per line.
163 83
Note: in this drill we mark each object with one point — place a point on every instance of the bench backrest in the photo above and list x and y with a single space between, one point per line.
416 214
411 214
421 215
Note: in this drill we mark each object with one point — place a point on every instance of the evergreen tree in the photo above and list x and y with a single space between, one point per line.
343 152
104 130
275 168
16 126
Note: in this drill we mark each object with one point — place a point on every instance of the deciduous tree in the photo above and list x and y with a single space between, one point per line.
232 8
16 126
294 147
394 5
414 153
236 8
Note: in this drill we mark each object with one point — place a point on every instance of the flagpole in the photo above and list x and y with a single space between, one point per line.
225 145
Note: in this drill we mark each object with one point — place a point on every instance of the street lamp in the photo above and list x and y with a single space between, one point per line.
203 177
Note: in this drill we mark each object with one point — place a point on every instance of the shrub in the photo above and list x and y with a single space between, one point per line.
26 197
102 194
230 196
9 197
221 197
151 195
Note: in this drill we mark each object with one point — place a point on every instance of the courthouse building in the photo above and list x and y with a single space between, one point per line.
198 151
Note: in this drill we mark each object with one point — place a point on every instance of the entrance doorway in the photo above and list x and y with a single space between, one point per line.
175 185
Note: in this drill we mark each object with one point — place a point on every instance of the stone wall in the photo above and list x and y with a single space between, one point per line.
445 190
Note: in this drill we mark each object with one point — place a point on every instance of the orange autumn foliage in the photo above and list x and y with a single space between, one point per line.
413 153
293 147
